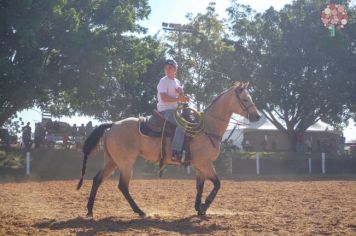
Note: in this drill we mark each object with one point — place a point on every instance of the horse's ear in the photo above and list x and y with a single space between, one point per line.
246 84
237 84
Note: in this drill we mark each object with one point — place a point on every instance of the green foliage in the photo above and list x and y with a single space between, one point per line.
86 57
11 159
71 56
202 50
301 74
14 125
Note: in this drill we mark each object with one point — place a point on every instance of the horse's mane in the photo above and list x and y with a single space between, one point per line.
237 85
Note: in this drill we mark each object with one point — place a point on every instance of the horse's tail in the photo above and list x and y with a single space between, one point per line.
89 144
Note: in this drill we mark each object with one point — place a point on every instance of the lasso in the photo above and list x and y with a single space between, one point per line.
191 129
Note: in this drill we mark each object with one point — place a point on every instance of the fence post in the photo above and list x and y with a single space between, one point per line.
258 163
27 163
188 170
323 163
310 165
230 169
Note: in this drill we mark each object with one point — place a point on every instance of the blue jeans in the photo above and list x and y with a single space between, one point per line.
178 139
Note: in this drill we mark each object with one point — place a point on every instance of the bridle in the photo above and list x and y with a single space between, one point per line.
241 103
244 108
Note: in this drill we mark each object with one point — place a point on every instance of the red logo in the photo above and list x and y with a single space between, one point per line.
334 16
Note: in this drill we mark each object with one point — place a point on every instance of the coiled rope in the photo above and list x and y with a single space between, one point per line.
192 127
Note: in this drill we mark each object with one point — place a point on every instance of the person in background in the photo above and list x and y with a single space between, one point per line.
65 140
39 135
88 128
81 131
26 135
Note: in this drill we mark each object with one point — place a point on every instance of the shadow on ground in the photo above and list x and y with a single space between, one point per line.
86 226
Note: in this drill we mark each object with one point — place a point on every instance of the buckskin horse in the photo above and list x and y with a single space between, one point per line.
123 143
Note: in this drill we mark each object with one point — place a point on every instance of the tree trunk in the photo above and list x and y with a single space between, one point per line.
292 136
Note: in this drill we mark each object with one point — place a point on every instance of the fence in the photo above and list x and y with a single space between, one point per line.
294 166
66 164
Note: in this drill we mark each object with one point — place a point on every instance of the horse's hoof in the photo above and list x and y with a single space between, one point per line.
201 213
142 214
204 207
90 214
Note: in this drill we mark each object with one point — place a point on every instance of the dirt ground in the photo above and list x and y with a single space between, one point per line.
240 208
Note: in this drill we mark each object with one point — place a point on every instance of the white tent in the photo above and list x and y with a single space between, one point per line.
236 137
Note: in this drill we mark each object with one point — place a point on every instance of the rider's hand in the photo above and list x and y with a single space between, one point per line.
179 90
183 99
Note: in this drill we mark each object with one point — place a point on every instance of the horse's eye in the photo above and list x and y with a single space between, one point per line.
245 100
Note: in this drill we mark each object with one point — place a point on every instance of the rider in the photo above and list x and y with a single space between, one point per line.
169 93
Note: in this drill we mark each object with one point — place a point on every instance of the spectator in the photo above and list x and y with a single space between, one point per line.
51 140
66 141
88 128
26 135
81 131
37 135
74 131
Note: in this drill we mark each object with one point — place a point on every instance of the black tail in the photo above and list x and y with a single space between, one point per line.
89 144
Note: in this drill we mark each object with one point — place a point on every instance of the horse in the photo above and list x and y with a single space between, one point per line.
123 143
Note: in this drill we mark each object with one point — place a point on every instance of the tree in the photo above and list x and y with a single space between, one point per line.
301 74
201 52
135 92
69 56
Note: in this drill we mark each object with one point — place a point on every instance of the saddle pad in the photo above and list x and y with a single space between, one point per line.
145 130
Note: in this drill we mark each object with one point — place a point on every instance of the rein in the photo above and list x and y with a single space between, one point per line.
202 129
243 107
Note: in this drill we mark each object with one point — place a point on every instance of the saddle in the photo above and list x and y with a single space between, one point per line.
157 126
153 125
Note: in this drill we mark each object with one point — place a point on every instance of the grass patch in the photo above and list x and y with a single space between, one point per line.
12 159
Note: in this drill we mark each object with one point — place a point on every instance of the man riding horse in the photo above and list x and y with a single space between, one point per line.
123 142
169 93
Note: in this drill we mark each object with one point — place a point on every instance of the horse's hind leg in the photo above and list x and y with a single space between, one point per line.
125 176
103 174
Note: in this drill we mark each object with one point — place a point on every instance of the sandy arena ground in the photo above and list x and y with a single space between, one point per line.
241 208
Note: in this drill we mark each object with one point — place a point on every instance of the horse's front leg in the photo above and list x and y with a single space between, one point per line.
204 206
200 186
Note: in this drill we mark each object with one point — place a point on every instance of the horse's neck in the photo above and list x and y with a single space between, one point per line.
218 115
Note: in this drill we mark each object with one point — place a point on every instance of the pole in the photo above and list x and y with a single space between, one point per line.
179 71
27 163
258 163
323 163
310 165
179 28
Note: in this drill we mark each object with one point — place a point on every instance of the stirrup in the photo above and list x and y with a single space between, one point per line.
176 156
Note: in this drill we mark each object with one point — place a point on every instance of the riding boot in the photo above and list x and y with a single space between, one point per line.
176 155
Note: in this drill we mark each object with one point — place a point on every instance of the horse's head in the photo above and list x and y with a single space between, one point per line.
245 105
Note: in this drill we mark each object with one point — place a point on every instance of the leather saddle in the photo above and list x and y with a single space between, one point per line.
153 125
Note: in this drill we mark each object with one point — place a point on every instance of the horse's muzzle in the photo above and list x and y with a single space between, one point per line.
254 117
